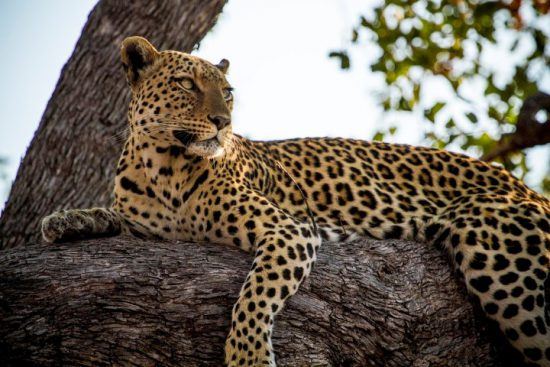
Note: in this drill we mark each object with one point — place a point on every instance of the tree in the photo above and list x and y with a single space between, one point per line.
457 44
72 158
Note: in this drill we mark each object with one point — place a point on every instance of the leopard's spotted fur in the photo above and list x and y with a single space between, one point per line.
184 175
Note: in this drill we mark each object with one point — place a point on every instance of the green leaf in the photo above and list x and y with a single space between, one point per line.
379 136
450 124
343 56
472 117
487 8
379 66
404 104
432 112
437 107
354 35
546 186
540 40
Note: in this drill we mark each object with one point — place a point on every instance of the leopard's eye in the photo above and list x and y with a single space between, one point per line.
227 94
185 83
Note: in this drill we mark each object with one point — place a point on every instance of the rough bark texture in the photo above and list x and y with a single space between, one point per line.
72 158
143 303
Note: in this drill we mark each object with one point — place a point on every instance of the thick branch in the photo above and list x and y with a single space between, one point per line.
529 132
130 302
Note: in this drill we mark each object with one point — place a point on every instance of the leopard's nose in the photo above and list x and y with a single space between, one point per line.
219 120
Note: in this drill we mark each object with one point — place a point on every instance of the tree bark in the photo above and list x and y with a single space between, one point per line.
123 301
72 157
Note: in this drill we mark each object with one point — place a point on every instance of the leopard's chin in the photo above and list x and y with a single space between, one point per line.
210 148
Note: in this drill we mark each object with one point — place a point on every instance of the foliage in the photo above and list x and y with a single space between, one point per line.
461 43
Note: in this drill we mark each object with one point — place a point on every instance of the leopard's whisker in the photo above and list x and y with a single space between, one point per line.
120 135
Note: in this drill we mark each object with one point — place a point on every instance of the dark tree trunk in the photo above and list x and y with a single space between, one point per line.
125 301
72 158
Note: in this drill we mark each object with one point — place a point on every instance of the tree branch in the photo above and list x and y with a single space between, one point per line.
132 302
529 132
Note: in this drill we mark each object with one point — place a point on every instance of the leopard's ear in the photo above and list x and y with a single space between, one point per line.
137 55
223 65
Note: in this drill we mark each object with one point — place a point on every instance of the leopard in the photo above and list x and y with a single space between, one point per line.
184 175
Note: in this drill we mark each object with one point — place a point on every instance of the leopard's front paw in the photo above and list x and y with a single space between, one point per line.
63 225
53 226
249 347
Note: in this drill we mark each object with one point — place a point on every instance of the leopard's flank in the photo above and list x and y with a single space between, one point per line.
184 175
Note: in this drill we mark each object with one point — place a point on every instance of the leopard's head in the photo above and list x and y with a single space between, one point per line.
178 99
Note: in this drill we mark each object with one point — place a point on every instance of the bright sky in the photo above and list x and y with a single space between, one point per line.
285 85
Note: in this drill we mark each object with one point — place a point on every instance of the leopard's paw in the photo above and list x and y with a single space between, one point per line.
62 225
52 227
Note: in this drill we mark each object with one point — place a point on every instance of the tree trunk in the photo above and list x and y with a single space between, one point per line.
72 158
124 301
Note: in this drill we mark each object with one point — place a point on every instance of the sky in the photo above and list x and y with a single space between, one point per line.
285 84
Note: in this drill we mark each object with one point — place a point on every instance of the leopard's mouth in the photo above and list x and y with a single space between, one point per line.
209 148
184 137
187 138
